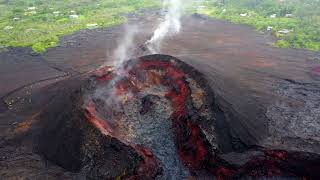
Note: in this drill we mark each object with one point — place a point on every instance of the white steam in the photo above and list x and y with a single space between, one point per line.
126 46
170 26
121 54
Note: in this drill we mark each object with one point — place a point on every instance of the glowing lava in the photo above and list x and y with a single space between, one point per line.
151 102
161 107
155 118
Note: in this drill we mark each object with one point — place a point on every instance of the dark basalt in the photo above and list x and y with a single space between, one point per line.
70 141
85 134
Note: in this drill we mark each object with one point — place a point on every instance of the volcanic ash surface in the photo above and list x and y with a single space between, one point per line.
155 102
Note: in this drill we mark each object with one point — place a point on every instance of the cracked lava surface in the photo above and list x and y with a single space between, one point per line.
159 107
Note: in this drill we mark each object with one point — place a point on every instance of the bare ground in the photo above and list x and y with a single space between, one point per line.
271 96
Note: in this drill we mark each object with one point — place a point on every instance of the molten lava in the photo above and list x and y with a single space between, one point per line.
155 117
165 79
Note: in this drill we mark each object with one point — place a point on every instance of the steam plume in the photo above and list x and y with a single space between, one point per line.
170 26
126 46
122 53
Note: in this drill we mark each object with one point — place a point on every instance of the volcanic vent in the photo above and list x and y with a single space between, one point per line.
153 118
157 102
153 114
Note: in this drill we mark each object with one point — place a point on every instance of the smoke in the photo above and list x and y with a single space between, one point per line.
126 46
121 54
170 26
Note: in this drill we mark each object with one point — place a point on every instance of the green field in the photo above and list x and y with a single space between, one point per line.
300 17
40 23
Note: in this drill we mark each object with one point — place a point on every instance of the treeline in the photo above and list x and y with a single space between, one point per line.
302 8
300 17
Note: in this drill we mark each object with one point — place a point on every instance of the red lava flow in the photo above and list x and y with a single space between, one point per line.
192 145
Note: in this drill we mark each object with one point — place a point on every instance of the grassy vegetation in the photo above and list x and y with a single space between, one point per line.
303 21
40 23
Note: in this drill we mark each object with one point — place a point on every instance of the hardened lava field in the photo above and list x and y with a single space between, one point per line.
154 117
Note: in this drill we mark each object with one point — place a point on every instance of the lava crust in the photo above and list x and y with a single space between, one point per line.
160 103
154 117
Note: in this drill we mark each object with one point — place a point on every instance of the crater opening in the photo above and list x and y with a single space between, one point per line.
154 118
156 102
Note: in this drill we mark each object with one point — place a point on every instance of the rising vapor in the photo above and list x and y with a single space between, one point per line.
121 54
125 48
170 26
